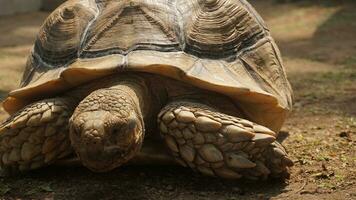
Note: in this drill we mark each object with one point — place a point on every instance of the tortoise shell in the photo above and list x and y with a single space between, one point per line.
218 45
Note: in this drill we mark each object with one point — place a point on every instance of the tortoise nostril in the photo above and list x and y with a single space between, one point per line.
116 130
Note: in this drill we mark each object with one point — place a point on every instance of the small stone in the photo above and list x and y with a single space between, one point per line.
346 134
238 161
168 117
263 139
185 117
210 153
237 134
206 124
227 173
187 153
171 143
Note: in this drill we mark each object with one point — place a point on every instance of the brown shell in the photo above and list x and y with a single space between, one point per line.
60 37
218 45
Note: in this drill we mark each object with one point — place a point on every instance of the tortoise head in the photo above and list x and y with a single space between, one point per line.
105 133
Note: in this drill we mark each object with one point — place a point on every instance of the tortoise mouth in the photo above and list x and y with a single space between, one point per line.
106 160
99 152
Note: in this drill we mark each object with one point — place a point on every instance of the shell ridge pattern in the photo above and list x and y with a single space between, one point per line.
257 16
220 28
58 41
101 30
178 20
282 78
126 21
85 34
269 73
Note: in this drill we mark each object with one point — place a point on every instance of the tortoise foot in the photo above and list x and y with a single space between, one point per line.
35 136
221 145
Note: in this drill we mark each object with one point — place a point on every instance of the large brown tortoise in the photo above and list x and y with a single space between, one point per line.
203 77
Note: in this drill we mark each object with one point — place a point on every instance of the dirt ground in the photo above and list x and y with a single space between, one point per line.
317 40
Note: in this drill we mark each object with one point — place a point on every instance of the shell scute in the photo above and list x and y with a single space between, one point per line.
220 28
60 36
124 26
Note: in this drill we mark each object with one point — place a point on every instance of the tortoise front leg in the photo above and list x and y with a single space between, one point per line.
222 145
36 136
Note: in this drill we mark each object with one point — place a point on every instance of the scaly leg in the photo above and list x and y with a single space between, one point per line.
36 136
222 145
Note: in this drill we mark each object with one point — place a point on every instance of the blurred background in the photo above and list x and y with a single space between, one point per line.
317 39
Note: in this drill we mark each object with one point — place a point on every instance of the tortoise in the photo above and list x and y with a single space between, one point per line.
201 81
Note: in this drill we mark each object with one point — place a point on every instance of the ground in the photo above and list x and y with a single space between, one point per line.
317 40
